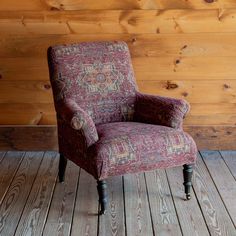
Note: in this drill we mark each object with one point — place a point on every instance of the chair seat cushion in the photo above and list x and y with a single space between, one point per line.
129 147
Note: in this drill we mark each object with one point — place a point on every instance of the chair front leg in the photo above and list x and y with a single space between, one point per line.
188 172
103 196
62 168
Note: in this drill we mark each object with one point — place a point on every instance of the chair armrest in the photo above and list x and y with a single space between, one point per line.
160 110
78 119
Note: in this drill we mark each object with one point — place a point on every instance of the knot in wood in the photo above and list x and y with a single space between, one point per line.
170 85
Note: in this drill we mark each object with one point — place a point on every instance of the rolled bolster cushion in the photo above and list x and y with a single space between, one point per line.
160 110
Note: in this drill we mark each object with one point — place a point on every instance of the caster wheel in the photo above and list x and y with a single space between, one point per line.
188 197
102 212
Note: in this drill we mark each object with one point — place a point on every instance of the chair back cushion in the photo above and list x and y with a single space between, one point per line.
98 76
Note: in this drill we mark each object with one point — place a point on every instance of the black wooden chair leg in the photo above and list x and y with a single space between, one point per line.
103 197
62 168
188 172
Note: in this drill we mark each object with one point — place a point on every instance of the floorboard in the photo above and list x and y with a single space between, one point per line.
62 205
226 186
35 212
17 194
33 202
230 160
189 213
2 154
138 219
214 211
163 212
114 222
9 166
85 218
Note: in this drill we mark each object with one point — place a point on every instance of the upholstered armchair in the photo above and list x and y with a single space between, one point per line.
105 125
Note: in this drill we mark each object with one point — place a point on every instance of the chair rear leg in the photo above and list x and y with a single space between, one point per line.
188 172
62 168
103 196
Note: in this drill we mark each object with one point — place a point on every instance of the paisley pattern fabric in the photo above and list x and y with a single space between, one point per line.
105 125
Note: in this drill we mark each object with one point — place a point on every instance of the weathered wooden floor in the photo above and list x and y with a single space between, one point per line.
34 203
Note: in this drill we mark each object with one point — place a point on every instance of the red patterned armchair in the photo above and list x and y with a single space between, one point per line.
105 125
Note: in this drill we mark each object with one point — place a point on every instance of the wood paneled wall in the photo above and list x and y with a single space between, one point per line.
179 48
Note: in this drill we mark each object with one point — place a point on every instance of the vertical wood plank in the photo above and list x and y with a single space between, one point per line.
227 185
2 154
163 213
216 216
113 223
16 196
138 219
230 159
61 210
191 221
9 166
85 216
35 212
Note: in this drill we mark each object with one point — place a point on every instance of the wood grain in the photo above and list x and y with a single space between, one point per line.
166 68
138 220
19 189
193 91
213 209
85 217
114 4
30 137
186 66
230 159
163 213
34 114
9 166
227 185
2 155
62 205
161 193
140 45
213 137
187 51
35 212
118 21
44 114
114 221
191 222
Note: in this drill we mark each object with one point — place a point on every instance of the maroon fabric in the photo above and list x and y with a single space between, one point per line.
97 102
128 147
98 76
160 110
78 119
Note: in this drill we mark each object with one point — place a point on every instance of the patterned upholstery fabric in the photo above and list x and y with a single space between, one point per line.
98 76
128 147
78 119
105 125
160 110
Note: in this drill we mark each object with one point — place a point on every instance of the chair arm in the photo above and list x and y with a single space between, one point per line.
78 119
160 110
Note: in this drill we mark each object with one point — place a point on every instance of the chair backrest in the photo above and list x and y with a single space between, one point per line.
98 76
